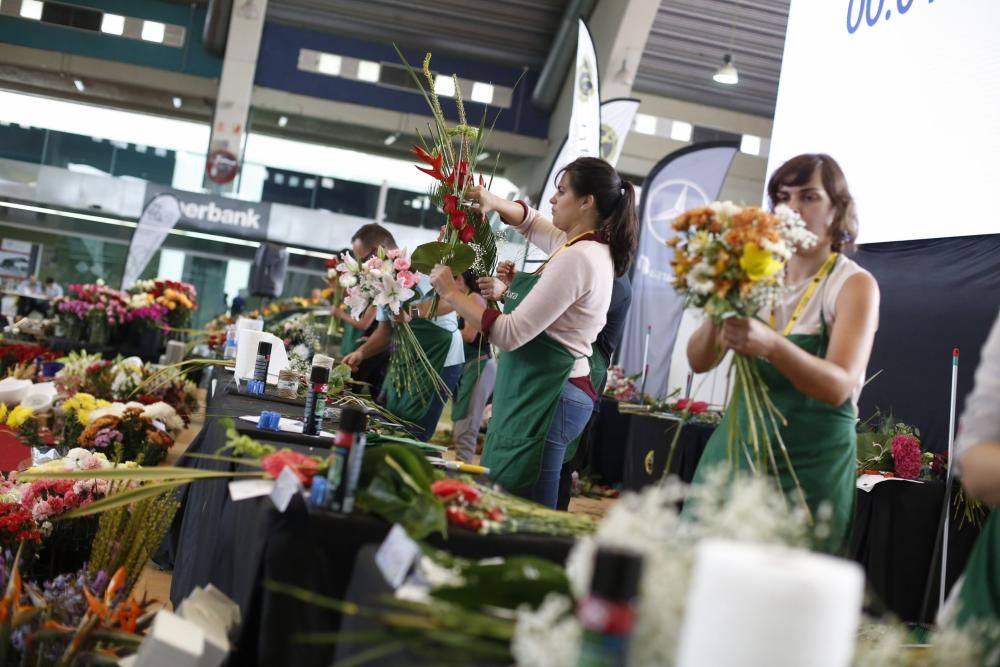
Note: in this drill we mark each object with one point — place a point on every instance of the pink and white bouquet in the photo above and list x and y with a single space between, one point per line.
620 386
384 279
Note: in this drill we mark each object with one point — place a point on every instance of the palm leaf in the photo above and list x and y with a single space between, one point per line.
160 473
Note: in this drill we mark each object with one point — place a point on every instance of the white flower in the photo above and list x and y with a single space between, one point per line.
165 413
724 209
348 280
356 301
793 228
392 294
699 278
780 248
548 636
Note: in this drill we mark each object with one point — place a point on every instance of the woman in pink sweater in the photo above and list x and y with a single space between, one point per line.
543 395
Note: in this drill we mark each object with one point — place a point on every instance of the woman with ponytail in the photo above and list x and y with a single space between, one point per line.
544 395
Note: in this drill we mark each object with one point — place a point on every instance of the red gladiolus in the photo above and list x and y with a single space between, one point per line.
467 233
695 407
459 518
332 263
436 162
452 488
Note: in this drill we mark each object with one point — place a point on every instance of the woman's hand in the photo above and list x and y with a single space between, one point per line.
506 271
748 336
486 200
354 359
492 289
443 281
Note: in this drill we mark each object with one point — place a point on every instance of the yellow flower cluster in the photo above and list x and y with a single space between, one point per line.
171 298
18 416
83 404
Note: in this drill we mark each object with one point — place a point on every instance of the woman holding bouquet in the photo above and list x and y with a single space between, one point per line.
811 351
543 395
439 337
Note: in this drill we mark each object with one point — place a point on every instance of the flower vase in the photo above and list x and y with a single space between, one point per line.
100 331
72 328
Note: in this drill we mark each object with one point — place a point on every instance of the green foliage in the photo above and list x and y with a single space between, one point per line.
395 485
507 584
458 257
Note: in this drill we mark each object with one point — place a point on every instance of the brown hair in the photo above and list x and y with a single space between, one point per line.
614 198
374 235
798 171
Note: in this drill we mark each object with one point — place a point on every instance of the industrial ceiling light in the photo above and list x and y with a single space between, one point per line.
282 121
391 139
727 73
79 85
178 102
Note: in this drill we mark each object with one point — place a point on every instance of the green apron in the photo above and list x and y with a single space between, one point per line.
598 371
821 442
351 339
979 599
529 382
435 342
475 360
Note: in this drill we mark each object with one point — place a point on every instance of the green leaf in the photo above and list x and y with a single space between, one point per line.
159 473
428 255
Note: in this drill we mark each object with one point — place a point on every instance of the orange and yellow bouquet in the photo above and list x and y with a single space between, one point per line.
729 261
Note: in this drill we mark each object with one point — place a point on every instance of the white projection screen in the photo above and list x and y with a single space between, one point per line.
905 95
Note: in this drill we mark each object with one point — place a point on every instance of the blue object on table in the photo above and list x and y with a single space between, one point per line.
263 420
50 368
317 494
255 387
274 422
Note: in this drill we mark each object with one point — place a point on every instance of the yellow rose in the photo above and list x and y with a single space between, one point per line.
758 263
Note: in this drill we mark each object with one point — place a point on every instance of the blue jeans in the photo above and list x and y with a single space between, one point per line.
572 415
427 424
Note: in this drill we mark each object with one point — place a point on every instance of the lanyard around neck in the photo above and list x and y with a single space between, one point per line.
564 246
807 297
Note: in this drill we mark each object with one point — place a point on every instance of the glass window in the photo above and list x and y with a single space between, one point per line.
64 149
22 143
411 208
348 197
288 187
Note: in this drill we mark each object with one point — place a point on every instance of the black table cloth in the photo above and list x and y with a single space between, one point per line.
647 449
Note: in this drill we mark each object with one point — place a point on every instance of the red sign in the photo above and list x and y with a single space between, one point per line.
222 166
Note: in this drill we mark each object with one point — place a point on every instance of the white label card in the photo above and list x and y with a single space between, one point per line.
396 556
245 489
285 488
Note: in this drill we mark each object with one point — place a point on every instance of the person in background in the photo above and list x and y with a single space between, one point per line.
478 377
544 396
372 370
31 297
977 459
604 350
53 290
439 337
239 303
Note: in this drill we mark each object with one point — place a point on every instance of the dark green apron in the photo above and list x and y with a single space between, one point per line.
351 339
598 371
529 382
821 442
979 599
475 360
435 342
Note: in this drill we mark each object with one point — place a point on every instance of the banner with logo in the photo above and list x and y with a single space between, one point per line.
690 177
584 134
222 215
158 217
616 122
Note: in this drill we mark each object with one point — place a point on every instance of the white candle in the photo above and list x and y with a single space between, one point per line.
775 606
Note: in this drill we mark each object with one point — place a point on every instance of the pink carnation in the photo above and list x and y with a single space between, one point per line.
374 263
41 510
71 499
401 264
906 455
394 253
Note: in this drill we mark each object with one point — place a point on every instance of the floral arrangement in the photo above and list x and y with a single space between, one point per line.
14 356
466 238
129 437
728 261
179 299
387 281
17 525
620 386
299 334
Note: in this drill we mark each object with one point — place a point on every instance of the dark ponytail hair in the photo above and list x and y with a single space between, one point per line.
614 198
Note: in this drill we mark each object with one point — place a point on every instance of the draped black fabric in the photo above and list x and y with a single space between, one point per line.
937 295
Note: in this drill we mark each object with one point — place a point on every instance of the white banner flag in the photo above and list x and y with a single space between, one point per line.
156 221
616 121
584 134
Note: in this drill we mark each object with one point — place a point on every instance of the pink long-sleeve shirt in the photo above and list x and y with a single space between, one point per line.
570 300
